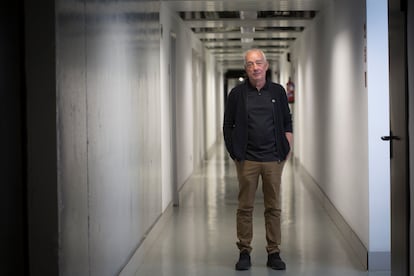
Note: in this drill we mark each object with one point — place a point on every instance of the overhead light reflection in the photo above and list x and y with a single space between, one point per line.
247 32
247 40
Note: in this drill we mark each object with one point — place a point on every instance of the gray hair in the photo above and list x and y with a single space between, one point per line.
254 50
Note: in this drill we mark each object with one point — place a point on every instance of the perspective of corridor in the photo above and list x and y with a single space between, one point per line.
198 238
112 156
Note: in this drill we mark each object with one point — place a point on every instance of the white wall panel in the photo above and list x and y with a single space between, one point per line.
331 114
195 101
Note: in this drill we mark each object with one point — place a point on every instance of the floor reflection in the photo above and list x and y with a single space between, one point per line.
200 239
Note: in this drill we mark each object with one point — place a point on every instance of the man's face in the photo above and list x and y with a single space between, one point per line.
255 66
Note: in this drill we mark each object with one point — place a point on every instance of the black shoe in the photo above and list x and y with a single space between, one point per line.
275 262
244 261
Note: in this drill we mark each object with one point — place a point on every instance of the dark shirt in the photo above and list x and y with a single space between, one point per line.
261 143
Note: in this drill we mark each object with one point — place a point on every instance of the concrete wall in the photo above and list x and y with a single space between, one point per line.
213 119
197 110
172 26
191 108
114 126
99 128
333 132
109 135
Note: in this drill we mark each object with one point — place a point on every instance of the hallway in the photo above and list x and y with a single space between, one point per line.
108 108
198 238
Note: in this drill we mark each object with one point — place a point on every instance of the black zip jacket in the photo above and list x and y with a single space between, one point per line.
235 120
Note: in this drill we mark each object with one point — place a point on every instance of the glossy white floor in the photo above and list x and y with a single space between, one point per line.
199 237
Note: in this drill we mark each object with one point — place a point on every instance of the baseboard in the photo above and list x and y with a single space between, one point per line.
358 248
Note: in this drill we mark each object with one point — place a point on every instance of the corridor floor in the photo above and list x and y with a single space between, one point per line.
199 238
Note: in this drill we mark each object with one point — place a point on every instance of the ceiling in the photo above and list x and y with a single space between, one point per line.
229 27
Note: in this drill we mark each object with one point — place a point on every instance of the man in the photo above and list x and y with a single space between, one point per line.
258 136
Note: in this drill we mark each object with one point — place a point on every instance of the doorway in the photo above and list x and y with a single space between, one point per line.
398 138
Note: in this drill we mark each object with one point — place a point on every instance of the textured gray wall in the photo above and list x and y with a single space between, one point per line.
109 155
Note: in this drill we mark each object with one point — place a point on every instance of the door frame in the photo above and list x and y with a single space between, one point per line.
398 138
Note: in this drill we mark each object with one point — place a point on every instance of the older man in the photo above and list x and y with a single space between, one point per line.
258 136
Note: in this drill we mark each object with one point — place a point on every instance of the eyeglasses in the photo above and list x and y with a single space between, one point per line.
259 63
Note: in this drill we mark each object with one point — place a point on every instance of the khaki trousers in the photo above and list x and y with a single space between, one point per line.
248 173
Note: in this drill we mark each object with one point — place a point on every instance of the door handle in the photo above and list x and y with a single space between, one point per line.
389 138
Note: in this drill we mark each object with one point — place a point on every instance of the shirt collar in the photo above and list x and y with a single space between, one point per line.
251 87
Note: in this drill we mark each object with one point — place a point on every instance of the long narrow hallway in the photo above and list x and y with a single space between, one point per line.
199 236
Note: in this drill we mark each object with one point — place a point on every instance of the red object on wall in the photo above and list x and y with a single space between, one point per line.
290 91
